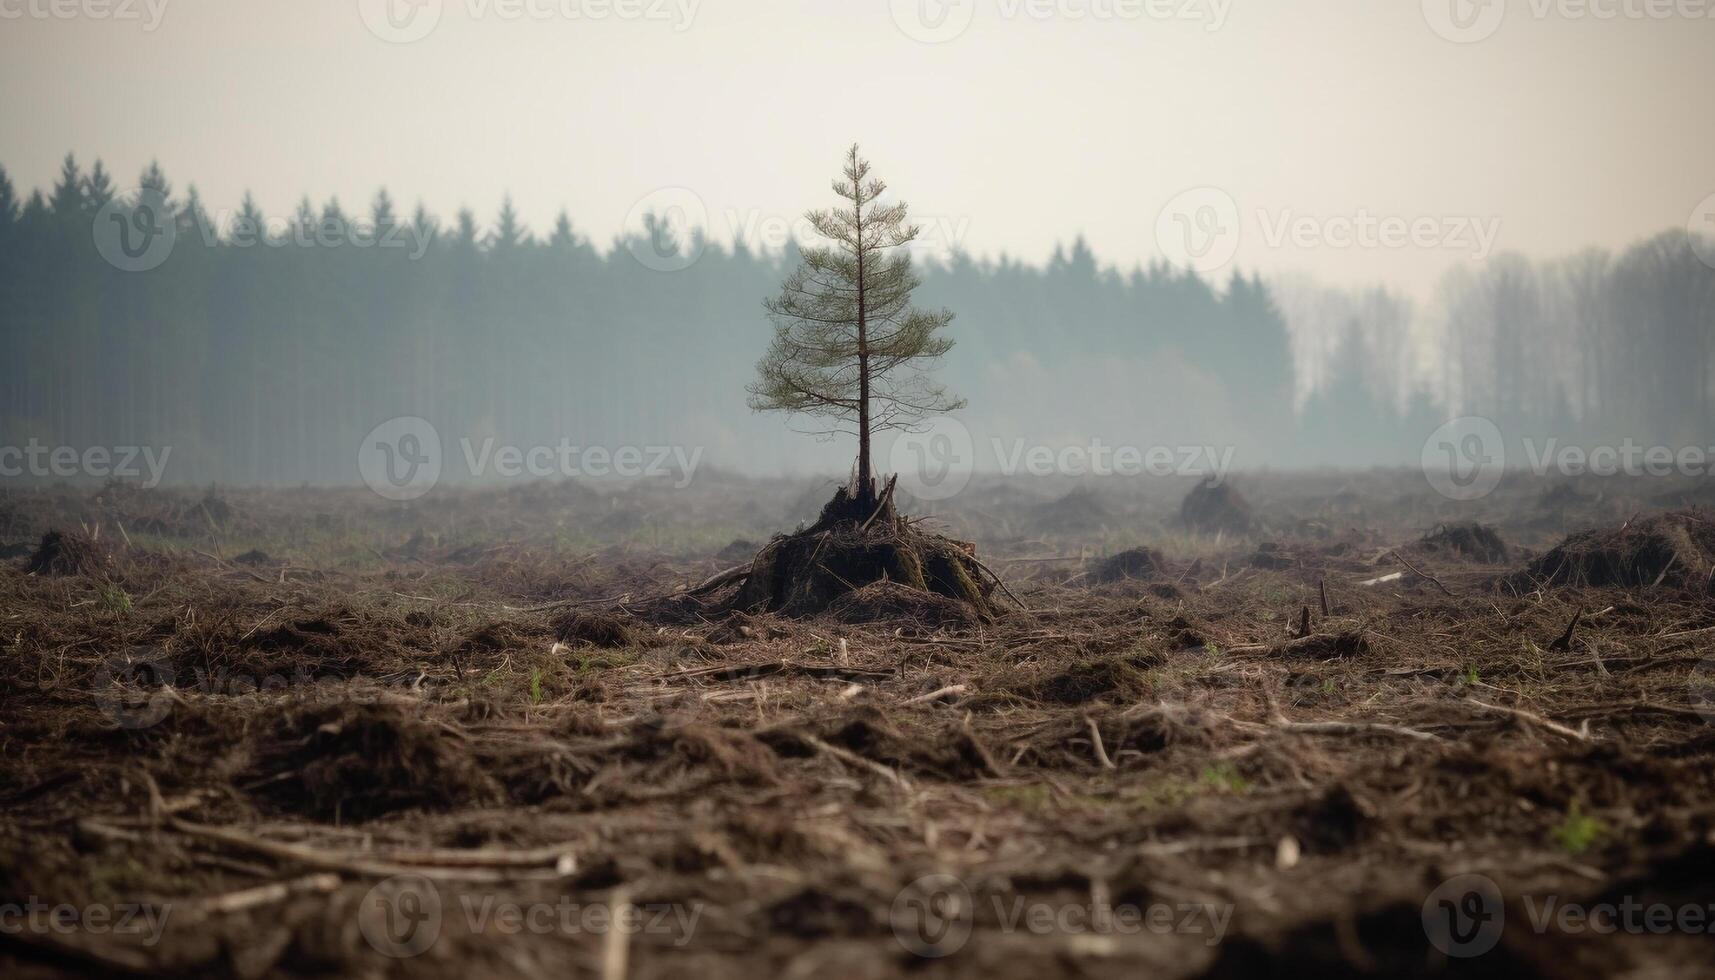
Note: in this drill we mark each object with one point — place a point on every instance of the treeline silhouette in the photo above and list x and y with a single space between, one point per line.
262 350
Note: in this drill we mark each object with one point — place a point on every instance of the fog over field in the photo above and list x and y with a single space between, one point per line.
1300 234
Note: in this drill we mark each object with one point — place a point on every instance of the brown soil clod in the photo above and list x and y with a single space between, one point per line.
1675 549
1325 646
1137 563
1080 683
1477 542
1213 506
359 761
70 553
594 629
883 602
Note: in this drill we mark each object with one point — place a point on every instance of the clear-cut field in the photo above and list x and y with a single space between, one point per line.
497 707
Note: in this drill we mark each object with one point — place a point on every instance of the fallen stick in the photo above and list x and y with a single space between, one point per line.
277 891
719 579
1565 640
935 695
852 758
1421 574
997 581
360 865
881 505
1352 728
1532 718
1096 740
772 668
1278 719
616 948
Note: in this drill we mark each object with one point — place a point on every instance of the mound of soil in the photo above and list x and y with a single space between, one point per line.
1080 510
1212 507
1080 682
69 553
1478 542
854 544
360 761
949 751
1676 550
1138 563
1325 646
575 627
887 602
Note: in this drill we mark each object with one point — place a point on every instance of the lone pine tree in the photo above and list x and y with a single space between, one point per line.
848 345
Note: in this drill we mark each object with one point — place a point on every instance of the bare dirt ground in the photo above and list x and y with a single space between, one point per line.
484 733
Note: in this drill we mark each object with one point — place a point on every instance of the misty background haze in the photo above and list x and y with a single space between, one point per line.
531 176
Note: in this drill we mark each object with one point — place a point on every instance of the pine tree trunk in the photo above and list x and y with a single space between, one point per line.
865 489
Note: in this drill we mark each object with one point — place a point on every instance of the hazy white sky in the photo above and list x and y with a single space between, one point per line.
1566 124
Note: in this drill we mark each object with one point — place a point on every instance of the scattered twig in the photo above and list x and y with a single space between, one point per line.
1421 574
718 580
366 866
998 582
881 505
936 695
1096 741
1532 718
1565 640
852 758
269 894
